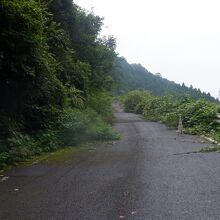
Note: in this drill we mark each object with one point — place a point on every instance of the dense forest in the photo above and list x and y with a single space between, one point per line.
57 75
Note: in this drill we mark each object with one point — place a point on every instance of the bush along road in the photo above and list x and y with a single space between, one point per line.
151 173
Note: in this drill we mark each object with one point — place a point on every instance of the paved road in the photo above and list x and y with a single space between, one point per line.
148 174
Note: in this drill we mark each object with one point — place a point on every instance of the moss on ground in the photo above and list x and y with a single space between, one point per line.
210 149
58 156
61 155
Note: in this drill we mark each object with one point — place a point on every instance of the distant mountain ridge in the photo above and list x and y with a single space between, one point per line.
135 76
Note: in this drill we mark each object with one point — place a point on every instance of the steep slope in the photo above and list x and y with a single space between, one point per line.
135 76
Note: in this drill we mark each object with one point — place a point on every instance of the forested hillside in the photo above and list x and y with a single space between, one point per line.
135 76
56 74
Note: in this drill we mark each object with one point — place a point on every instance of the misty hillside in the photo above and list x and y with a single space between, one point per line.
135 76
56 77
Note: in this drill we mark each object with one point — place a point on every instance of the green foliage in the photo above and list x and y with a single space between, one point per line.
75 97
77 126
52 60
135 100
157 107
4 157
198 117
20 147
55 74
218 108
171 119
102 103
215 133
47 140
28 70
210 149
81 77
152 107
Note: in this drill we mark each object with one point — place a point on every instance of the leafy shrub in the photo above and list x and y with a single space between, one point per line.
139 109
47 140
134 101
170 119
218 108
157 107
4 157
215 134
79 126
102 104
20 147
198 115
151 109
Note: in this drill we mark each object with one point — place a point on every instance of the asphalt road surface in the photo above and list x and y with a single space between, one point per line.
151 173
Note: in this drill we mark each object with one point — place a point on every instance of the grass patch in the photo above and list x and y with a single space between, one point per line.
210 149
57 156
61 155
215 135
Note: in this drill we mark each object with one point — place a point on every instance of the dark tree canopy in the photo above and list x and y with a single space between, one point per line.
49 51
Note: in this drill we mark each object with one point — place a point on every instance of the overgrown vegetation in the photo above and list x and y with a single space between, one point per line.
210 149
55 76
218 109
78 126
198 116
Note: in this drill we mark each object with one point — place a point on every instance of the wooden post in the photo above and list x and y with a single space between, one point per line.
180 126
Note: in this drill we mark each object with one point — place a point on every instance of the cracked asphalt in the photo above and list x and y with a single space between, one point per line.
151 173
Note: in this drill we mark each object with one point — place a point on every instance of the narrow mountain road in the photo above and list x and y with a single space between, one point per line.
149 174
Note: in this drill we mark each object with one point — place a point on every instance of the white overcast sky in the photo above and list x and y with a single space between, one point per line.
178 38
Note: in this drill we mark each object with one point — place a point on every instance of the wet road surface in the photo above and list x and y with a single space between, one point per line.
149 174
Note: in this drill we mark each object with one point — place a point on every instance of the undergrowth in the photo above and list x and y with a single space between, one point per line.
198 116
72 127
